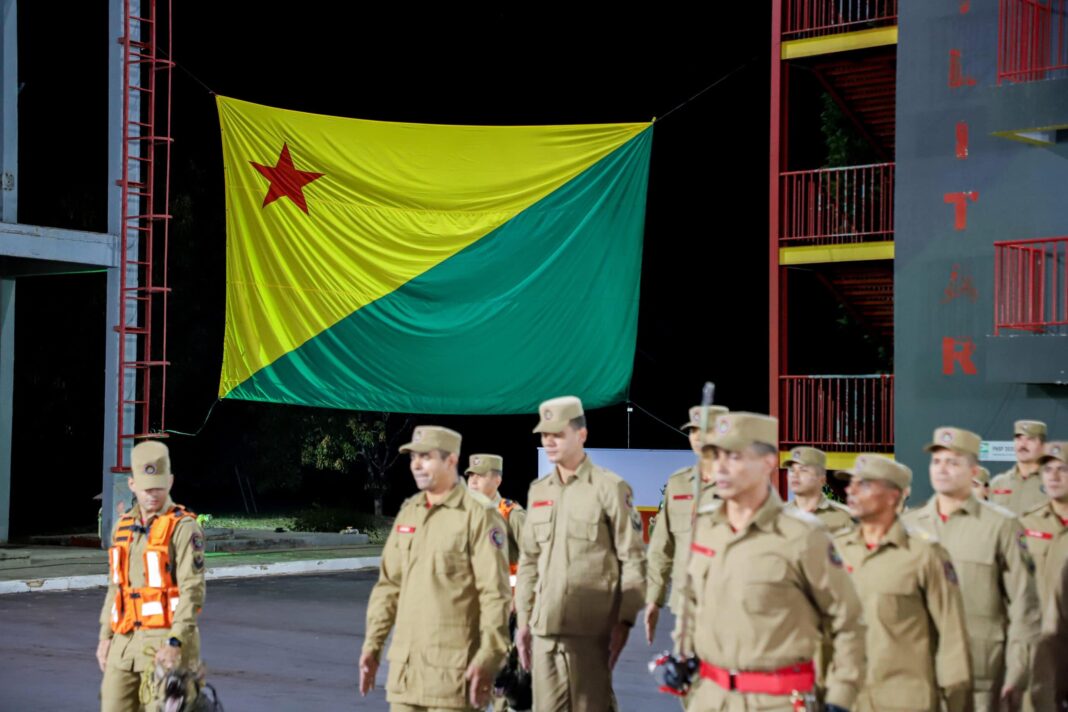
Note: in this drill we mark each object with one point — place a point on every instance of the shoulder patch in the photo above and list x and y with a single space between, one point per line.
635 520
198 562
951 573
197 541
496 537
833 555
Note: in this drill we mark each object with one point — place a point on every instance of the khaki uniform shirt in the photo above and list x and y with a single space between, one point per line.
187 553
917 637
764 596
515 521
669 544
987 546
1047 540
1017 493
582 566
443 589
836 516
1050 688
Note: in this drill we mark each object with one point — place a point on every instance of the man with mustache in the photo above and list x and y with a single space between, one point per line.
1020 489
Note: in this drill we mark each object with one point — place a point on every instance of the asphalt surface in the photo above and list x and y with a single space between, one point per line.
270 643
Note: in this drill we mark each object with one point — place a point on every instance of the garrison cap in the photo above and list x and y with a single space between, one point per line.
481 464
879 467
956 439
983 478
694 422
1054 450
150 463
556 413
433 437
1032 428
810 456
737 431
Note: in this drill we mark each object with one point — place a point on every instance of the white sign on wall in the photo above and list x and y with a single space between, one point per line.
646 471
997 451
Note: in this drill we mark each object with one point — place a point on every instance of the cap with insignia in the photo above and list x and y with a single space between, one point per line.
955 439
1054 450
1031 428
433 437
481 464
556 413
807 456
983 477
150 465
879 467
737 431
714 411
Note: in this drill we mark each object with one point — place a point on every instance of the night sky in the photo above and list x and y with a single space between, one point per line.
704 276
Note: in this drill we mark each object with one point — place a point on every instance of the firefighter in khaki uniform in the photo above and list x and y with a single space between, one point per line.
1046 527
1050 691
917 636
987 546
1020 489
669 544
581 570
806 475
765 584
442 588
484 474
155 589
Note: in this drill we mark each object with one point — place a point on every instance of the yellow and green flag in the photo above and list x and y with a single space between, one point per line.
423 268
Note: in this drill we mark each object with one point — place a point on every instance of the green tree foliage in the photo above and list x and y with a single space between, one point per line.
358 444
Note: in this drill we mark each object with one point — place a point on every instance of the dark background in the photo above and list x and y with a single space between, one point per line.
704 275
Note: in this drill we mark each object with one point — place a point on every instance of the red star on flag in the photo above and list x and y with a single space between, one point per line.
286 180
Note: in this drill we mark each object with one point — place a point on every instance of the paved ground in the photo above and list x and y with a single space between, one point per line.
271 643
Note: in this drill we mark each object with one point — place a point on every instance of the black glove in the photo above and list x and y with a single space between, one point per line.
834 708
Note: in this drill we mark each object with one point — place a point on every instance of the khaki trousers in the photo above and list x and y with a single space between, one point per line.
570 674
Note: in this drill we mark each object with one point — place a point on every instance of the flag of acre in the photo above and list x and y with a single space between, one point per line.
425 268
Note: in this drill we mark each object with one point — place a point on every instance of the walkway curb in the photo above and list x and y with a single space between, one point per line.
279 568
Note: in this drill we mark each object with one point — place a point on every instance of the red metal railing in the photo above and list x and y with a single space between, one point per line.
815 18
833 206
1032 40
837 412
1031 285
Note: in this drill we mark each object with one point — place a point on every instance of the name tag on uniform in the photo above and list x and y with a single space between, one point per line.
1038 534
703 550
542 503
405 530
682 496
1002 491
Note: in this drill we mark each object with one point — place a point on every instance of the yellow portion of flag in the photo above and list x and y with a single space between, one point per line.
394 200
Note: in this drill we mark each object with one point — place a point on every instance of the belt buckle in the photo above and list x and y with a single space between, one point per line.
732 681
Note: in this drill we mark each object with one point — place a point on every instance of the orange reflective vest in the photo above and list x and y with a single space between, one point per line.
505 507
152 605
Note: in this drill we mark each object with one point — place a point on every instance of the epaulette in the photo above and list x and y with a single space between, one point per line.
710 507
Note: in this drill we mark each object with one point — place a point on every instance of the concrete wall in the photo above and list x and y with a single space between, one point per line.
947 370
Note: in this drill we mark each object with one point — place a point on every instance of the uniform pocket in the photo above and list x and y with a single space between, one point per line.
581 529
765 585
679 516
397 680
451 563
542 531
441 675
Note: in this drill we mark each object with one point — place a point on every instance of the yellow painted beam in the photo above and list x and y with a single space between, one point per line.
855 252
1044 136
836 460
841 42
